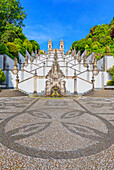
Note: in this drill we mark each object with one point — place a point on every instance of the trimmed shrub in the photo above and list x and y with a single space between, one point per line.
41 52
110 83
2 76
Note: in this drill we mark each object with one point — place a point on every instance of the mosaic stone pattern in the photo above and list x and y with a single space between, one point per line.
56 133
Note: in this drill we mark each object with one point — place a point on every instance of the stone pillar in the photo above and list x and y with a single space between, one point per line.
102 79
75 83
105 58
17 81
7 76
93 83
35 84
22 72
64 61
66 69
91 67
44 69
46 61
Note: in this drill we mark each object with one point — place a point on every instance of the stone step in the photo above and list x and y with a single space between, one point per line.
11 93
100 93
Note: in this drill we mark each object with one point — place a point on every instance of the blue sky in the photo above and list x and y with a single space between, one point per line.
70 20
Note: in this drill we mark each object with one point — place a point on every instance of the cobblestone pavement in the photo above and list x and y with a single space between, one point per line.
56 133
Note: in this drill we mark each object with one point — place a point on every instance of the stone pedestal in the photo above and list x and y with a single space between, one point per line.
35 86
17 81
75 86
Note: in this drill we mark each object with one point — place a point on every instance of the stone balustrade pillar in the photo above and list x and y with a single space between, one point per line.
75 83
102 79
35 84
44 69
17 81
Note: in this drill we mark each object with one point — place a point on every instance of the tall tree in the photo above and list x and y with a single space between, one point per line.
11 12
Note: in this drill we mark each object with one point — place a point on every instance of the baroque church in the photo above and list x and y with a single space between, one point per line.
55 73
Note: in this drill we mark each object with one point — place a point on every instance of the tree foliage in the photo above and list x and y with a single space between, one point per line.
35 45
12 12
12 39
2 76
28 46
8 36
12 49
98 40
3 48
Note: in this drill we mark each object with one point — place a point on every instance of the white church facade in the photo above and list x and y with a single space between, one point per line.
56 73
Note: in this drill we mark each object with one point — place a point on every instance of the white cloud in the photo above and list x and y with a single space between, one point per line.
42 33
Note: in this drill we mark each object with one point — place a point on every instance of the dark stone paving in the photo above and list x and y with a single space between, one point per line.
56 128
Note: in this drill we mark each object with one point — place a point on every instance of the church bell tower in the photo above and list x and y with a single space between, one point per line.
49 45
62 46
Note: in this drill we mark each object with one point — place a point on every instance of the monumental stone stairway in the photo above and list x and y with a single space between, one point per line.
57 73
12 93
100 93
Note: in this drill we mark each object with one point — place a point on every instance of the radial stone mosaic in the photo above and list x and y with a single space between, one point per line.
56 128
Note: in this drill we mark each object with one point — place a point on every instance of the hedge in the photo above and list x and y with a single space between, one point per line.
110 83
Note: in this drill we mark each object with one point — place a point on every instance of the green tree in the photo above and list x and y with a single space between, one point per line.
8 36
106 40
11 12
35 45
28 46
3 48
12 49
19 44
87 47
2 76
99 37
107 49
